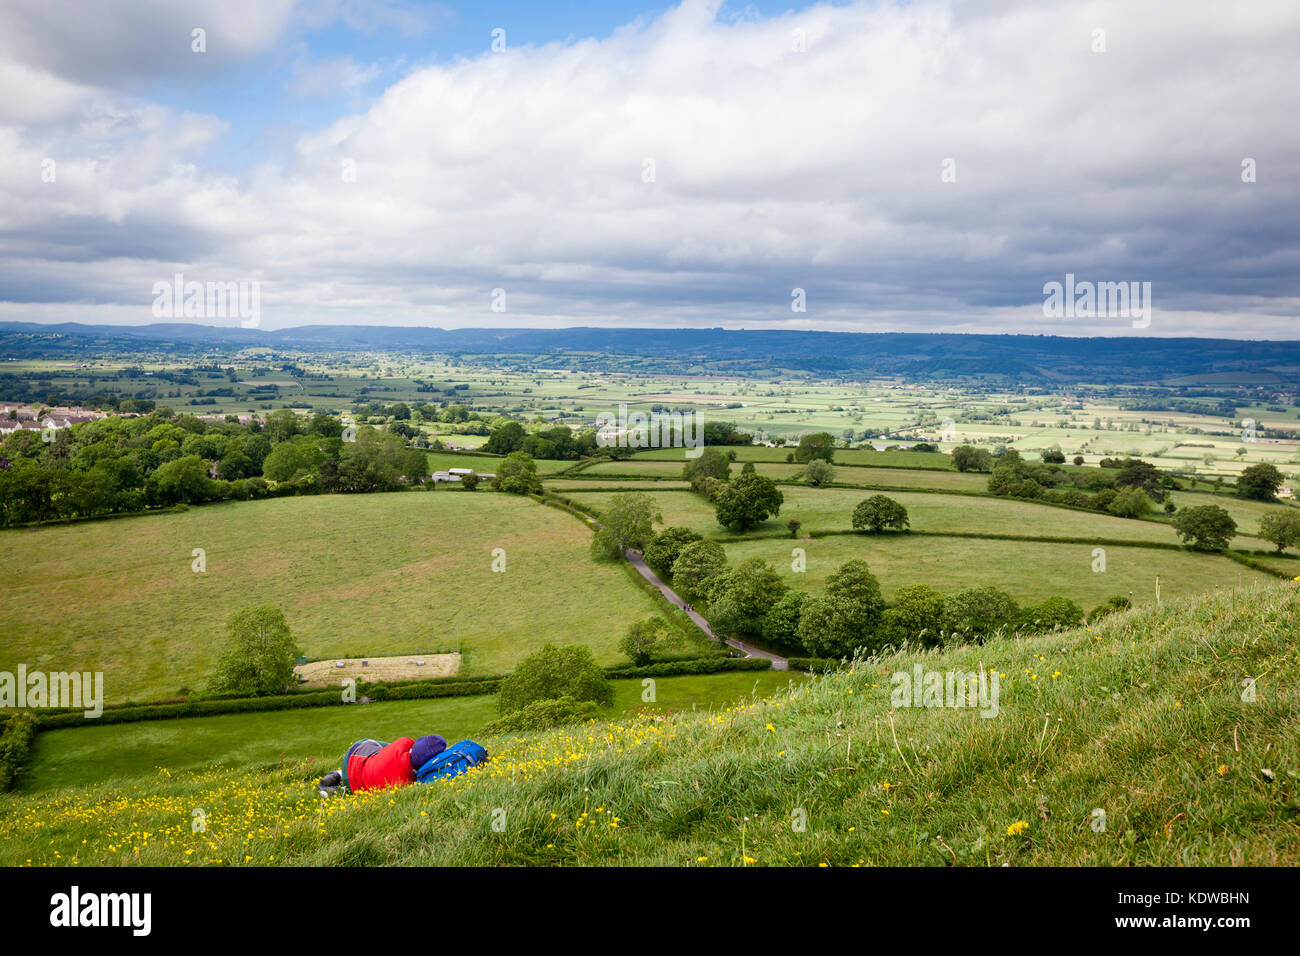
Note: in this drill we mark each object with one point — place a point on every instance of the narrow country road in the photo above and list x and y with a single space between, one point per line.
749 650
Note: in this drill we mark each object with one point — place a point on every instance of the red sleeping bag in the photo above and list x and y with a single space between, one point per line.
390 766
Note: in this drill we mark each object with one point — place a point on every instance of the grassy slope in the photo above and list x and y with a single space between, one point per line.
93 754
366 574
1141 717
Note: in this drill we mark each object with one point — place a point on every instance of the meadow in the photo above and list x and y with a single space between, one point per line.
1029 571
1131 743
76 756
355 575
831 509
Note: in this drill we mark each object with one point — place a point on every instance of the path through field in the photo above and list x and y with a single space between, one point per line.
749 650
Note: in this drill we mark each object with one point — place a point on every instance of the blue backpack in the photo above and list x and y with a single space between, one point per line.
452 762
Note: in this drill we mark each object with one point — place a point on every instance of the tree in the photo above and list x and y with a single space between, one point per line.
517 475
819 472
879 513
1281 527
1136 473
846 616
1052 456
979 613
816 445
469 482
697 567
915 615
1259 482
1129 503
712 463
747 501
259 654
781 622
794 524
663 549
1078 459
742 596
553 672
628 522
970 458
638 643
505 438
183 479
1205 527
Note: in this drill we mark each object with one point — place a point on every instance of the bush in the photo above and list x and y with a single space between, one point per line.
1056 613
1116 602
979 613
697 665
543 714
640 640
15 744
970 458
819 472
555 672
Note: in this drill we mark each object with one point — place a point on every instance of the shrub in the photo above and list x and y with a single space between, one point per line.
551 673
1116 602
1055 613
979 613
819 472
15 743
915 615
639 642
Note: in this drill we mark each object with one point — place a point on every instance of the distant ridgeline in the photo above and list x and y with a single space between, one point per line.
1022 359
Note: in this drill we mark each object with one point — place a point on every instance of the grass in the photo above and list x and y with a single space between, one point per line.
1143 718
830 509
1029 571
355 574
89 755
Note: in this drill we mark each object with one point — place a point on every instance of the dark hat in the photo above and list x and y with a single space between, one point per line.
425 749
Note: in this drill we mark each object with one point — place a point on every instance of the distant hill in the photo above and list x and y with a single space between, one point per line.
1023 359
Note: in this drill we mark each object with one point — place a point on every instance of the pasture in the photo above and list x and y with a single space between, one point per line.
355 574
76 756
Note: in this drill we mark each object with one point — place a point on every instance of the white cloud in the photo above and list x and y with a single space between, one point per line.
773 169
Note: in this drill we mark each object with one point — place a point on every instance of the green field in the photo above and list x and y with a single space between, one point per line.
831 509
77 756
1029 571
1142 716
354 574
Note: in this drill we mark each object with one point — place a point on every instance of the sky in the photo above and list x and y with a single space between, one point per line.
874 166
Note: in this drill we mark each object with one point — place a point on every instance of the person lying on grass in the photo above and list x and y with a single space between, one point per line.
373 764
